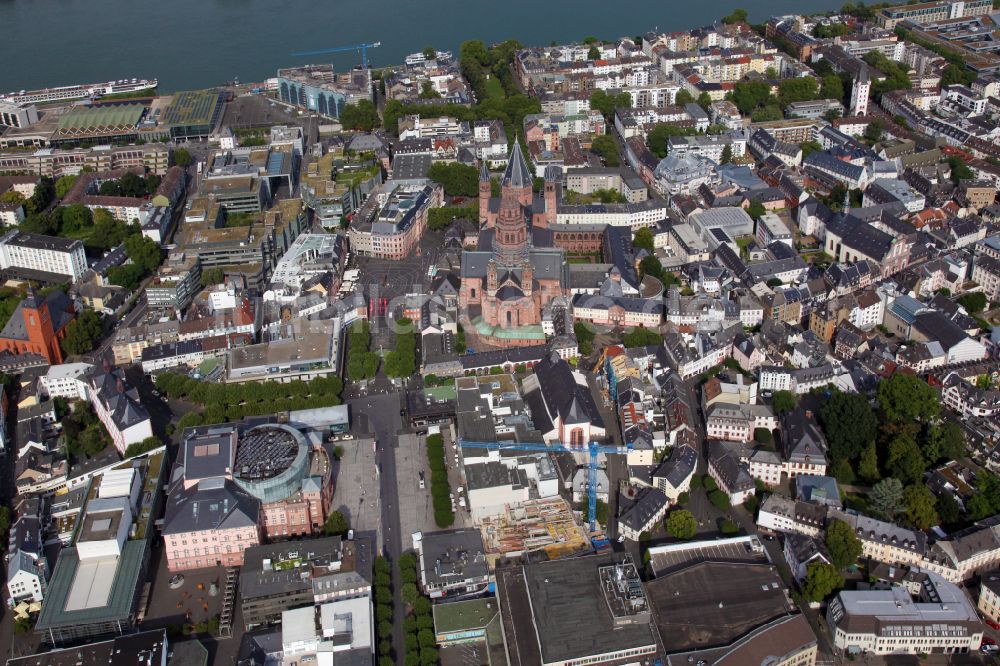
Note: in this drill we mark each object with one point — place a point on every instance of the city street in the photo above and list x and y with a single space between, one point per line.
379 415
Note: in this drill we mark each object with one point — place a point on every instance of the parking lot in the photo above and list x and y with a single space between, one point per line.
416 510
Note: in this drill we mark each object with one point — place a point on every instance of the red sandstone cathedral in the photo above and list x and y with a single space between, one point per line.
516 274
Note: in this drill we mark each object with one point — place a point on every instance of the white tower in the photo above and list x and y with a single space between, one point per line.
860 92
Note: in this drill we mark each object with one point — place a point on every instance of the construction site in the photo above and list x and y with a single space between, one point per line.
542 529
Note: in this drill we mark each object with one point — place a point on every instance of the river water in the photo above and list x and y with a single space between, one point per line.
200 43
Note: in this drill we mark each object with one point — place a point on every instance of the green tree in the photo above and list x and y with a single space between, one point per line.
683 97
719 500
182 157
868 464
641 337
959 169
948 509
409 593
705 101
681 524
605 146
144 252
212 276
594 53
905 461
12 197
127 276
832 87
756 209
906 399
821 581
799 89
336 524
829 30
954 74
886 498
456 178
361 116
430 52
657 138
64 185
427 91
749 96
783 402
842 544
809 147
849 424
145 445
974 302
650 265
643 239
875 130
727 155
737 16
82 334
919 503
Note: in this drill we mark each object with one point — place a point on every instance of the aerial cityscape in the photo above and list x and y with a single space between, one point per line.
674 348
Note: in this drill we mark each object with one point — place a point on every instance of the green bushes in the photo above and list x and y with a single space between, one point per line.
440 488
232 402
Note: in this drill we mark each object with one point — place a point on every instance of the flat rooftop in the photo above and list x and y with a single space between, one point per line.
710 604
556 611
674 556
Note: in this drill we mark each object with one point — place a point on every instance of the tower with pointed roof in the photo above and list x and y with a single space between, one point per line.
515 273
485 192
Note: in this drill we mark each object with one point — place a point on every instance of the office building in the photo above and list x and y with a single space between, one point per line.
452 562
940 619
46 254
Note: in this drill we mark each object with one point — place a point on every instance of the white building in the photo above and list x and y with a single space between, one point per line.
67 381
49 254
941 619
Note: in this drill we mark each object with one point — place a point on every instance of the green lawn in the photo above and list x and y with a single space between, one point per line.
494 89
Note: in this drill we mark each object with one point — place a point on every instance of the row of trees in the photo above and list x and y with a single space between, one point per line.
383 610
402 361
231 402
361 363
421 642
440 487
442 218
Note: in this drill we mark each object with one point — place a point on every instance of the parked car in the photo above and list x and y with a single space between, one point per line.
991 624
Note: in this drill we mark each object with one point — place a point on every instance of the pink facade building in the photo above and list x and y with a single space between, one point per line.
236 485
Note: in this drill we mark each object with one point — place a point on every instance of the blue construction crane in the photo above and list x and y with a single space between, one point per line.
593 449
340 49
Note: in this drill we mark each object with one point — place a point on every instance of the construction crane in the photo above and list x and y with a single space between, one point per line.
593 450
340 49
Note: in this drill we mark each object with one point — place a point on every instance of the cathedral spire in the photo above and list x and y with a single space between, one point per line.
517 174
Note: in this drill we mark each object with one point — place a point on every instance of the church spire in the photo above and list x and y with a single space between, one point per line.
517 174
